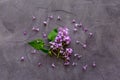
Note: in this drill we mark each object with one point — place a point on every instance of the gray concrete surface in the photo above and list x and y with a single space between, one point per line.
102 17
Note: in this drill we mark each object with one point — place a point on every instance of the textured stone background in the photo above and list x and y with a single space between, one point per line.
102 17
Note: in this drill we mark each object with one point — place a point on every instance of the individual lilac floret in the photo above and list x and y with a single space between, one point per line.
85 67
45 23
39 64
33 18
76 55
74 64
73 21
53 65
79 56
34 52
22 58
84 45
44 35
36 29
90 34
75 29
51 17
93 64
59 18
77 42
85 29
66 63
25 33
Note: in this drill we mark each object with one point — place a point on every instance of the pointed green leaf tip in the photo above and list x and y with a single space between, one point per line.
52 34
38 44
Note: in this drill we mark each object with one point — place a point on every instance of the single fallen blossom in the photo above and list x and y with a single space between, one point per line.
33 18
59 18
39 64
76 55
35 29
66 63
93 64
85 29
75 29
73 21
84 45
34 51
74 64
90 34
53 65
77 42
22 58
25 33
79 56
45 23
44 35
51 17
85 67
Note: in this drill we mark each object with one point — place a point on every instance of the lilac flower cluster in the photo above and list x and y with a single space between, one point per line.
59 46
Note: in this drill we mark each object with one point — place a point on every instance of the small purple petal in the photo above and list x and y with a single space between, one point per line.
76 55
39 64
90 34
79 56
85 29
75 29
33 18
59 18
66 63
74 64
77 42
73 21
51 17
84 45
22 58
34 51
25 33
85 67
45 23
93 64
53 65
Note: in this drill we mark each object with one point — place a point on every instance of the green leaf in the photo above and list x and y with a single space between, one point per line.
37 44
52 34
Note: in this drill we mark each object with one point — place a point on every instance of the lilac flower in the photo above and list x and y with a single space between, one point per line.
77 42
33 17
39 64
58 46
25 33
75 29
74 64
93 64
90 34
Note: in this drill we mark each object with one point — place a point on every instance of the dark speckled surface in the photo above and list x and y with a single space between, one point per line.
102 17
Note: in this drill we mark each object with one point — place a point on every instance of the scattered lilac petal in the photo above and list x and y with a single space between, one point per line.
66 63
79 56
22 58
84 45
76 55
34 51
90 34
39 64
85 67
51 17
44 35
77 42
75 29
33 18
53 65
85 29
25 33
59 18
35 29
74 64
45 23
93 64
76 25
73 21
